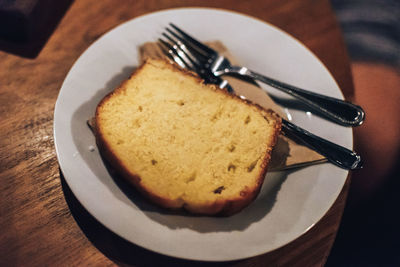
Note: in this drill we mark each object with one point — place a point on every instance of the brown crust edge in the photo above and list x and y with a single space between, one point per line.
224 207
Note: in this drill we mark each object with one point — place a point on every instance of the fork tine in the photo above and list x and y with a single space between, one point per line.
172 44
193 55
189 59
207 51
168 50
193 52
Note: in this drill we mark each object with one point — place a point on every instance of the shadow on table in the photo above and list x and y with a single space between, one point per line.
24 30
116 248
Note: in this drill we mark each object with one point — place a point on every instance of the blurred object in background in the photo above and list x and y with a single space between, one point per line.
369 234
371 29
25 25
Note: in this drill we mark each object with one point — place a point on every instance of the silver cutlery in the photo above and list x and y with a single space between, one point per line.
336 154
337 110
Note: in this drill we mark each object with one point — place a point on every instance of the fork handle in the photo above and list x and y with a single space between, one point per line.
339 111
334 153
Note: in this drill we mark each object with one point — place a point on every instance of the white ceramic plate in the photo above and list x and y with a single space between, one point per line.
289 204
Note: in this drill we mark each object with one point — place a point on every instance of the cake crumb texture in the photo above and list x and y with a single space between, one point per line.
183 143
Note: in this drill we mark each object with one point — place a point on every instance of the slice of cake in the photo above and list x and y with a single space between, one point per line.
184 144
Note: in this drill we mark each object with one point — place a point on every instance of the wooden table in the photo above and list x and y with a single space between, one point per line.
41 222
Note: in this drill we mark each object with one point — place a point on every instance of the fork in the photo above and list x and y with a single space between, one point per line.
334 153
178 52
338 111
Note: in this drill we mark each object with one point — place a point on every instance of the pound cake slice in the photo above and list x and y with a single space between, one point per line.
184 144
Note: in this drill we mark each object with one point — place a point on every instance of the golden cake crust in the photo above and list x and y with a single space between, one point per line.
220 206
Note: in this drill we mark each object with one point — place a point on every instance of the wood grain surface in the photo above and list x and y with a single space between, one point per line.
42 223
